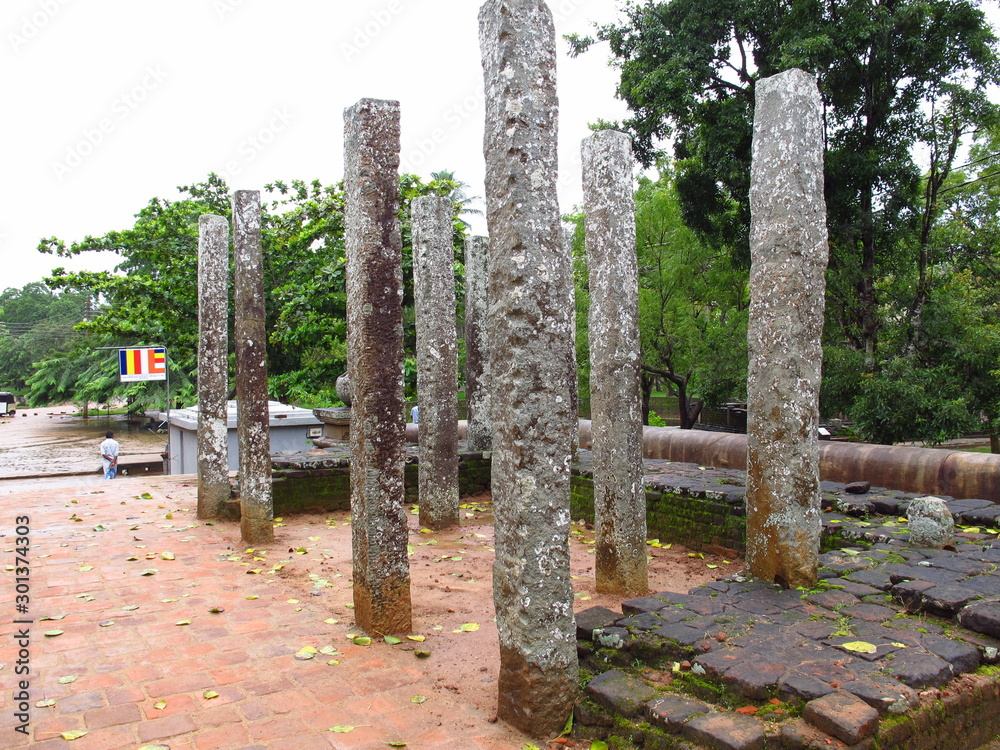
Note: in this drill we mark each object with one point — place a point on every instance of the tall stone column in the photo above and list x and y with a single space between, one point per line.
213 364
789 251
477 347
437 360
531 335
574 374
252 416
375 365
615 394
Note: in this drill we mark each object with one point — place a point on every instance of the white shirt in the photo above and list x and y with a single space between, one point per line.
109 448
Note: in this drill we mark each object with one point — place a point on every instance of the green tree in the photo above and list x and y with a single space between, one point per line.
693 306
906 400
36 323
152 296
688 69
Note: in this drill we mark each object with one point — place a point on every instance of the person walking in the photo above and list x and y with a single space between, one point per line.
109 452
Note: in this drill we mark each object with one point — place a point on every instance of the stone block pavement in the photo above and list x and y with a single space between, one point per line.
888 625
230 680
129 672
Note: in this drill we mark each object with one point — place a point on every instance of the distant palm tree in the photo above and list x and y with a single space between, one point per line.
456 192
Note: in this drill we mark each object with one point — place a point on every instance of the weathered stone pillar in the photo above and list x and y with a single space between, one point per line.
252 416
477 346
437 360
530 327
375 365
213 364
615 394
789 256
574 374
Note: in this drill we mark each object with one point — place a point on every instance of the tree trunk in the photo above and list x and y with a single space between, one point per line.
995 442
684 405
647 394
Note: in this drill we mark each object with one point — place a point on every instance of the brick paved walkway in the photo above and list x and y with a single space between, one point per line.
226 680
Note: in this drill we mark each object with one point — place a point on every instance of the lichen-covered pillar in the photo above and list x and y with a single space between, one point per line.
789 251
252 414
615 394
530 328
477 346
574 374
437 360
213 364
375 365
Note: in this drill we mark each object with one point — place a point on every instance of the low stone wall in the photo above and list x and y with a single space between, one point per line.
966 716
703 520
299 487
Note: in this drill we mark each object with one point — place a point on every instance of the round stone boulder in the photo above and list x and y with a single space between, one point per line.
343 387
931 523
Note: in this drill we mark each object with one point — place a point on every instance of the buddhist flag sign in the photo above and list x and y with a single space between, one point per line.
142 364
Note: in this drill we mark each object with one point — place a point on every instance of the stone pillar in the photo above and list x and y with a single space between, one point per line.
530 328
437 360
375 365
477 347
615 394
252 416
789 253
213 364
574 373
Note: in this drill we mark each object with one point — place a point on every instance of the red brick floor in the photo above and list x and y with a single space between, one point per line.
143 678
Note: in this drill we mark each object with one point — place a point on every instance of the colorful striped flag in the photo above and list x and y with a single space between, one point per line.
142 364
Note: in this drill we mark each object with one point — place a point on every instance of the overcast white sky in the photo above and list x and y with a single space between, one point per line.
112 102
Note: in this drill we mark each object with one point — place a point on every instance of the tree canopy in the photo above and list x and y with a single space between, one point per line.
151 298
688 69
37 323
904 85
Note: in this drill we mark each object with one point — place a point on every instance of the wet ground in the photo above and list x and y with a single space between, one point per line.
56 440
167 629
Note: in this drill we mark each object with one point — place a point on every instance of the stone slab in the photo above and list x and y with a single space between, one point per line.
794 684
595 617
673 711
725 732
754 679
920 670
800 735
842 715
621 693
881 693
963 657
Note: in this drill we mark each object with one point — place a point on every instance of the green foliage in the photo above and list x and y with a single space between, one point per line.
913 247
655 420
693 305
152 297
906 402
36 323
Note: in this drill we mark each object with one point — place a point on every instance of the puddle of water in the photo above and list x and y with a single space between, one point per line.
53 441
